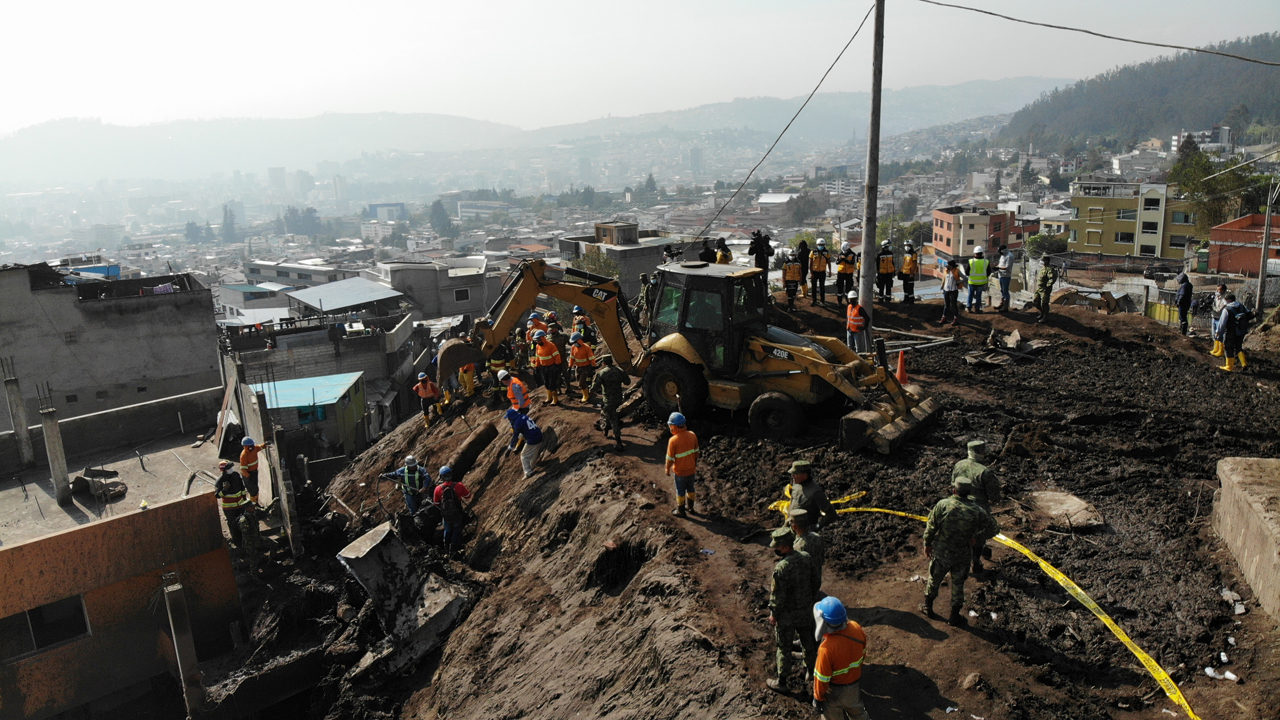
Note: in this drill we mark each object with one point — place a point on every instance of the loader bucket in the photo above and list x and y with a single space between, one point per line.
884 425
453 354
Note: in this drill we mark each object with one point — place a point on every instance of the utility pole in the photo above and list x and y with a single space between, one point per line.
867 283
1272 193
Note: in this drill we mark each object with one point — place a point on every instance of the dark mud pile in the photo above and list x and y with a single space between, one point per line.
1127 424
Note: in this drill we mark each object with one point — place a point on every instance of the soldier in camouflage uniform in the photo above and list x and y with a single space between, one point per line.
1044 290
986 487
955 525
808 541
248 523
610 380
792 594
806 493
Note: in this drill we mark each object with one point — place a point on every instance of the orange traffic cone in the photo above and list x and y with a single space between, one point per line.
902 367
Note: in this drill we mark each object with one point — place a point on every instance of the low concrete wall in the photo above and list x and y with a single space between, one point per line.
124 426
1246 515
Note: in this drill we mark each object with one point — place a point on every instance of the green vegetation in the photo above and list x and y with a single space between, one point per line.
441 222
595 261
1215 200
1040 245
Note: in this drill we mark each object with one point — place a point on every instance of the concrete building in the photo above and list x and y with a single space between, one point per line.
483 209
1236 246
119 359
276 181
356 297
389 212
1116 217
959 230
441 287
330 406
101 236
296 274
632 250
376 230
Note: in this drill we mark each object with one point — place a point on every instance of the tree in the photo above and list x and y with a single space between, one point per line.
995 186
441 222
228 224
650 185
208 232
804 206
193 233
1187 149
1238 119
1039 245
399 236
1057 182
596 262
588 197
806 236
908 207
1027 177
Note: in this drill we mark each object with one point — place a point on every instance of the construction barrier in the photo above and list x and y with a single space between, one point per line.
1166 683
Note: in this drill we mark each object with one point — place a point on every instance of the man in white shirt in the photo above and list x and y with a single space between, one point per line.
1004 273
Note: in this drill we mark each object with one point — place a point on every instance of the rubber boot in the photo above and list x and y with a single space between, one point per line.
586 396
804 291
692 504
778 685
926 608
679 511
1231 365
448 397
1217 350
426 421
1243 362
956 619
555 397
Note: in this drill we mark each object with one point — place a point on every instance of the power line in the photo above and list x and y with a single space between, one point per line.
1108 37
784 130
1246 162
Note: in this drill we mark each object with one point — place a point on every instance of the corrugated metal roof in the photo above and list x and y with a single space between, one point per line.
306 392
244 288
344 294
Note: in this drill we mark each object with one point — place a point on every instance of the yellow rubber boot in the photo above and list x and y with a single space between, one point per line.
1243 362
550 397
1231 365
426 421
586 394
1217 350
555 397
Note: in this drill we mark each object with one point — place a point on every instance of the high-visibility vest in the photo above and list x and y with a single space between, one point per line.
249 460
427 389
791 272
847 263
818 261
855 321
682 453
468 369
909 265
496 363
839 660
518 394
886 265
724 256
582 355
978 271
538 324
547 353
230 501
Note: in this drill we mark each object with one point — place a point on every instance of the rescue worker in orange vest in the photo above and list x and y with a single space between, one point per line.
529 344
836 692
791 278
548 359
886 266
232 498
428 397
582 323
908 274
819 259
584 364
682 460
517 392
249 465
846 266
536 318
855 323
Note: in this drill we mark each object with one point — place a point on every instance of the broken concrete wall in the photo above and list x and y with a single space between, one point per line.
1246 515
115 567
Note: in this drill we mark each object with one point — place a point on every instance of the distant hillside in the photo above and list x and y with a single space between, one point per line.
85 150
1157 98
830 119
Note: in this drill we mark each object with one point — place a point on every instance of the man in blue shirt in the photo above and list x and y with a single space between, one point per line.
524 431
413 482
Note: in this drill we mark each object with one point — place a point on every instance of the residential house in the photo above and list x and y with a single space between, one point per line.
1118 217
1236 246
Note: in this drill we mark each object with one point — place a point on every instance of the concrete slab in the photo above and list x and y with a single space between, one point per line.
28 501
1063 511
1246 515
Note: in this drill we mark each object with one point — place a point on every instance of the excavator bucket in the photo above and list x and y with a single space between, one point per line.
886 425
453 354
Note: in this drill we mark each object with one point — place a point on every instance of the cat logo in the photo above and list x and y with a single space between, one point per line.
603 296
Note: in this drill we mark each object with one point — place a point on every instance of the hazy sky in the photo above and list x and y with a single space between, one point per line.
532 64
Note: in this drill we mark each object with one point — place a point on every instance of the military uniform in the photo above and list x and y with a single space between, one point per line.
810 497
1044 289
986 487
248 523
610 380
812 544
954 524
792 593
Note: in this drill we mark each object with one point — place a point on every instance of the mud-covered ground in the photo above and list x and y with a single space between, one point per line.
1120 412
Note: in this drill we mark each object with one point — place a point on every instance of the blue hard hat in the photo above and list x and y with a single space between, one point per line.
577 308
535 315
539 334
446 471
833 612
422 376
575 337
248 442
676 419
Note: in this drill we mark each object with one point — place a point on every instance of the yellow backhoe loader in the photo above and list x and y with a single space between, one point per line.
707 342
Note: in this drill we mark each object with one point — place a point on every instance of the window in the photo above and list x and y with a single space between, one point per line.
1075 213
281 273
462 295
69 338
704 311
333 278
1124 238
1147 250
745 307
1184 218
1150 203
669 308
948 242
308 415
42 627
101 395
995 227
1127 214
948 226
1180 241
254 271
969 241
970 226
142 388
303 276
1095 214
1093 237
1150 228
1075 236
72 398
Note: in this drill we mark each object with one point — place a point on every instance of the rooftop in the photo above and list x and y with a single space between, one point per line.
246 288
307 392
344 294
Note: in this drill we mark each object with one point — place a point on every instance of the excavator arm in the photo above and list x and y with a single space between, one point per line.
600 297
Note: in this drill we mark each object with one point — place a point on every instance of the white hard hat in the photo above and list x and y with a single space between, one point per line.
853 295
503 375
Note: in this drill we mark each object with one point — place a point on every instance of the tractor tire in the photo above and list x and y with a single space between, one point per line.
668 376
774 416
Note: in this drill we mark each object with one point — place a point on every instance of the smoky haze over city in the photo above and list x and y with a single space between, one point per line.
666 360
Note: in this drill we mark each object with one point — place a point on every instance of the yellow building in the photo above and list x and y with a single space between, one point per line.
1130 218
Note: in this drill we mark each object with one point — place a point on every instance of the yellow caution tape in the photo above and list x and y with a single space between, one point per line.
784 506
1166 683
